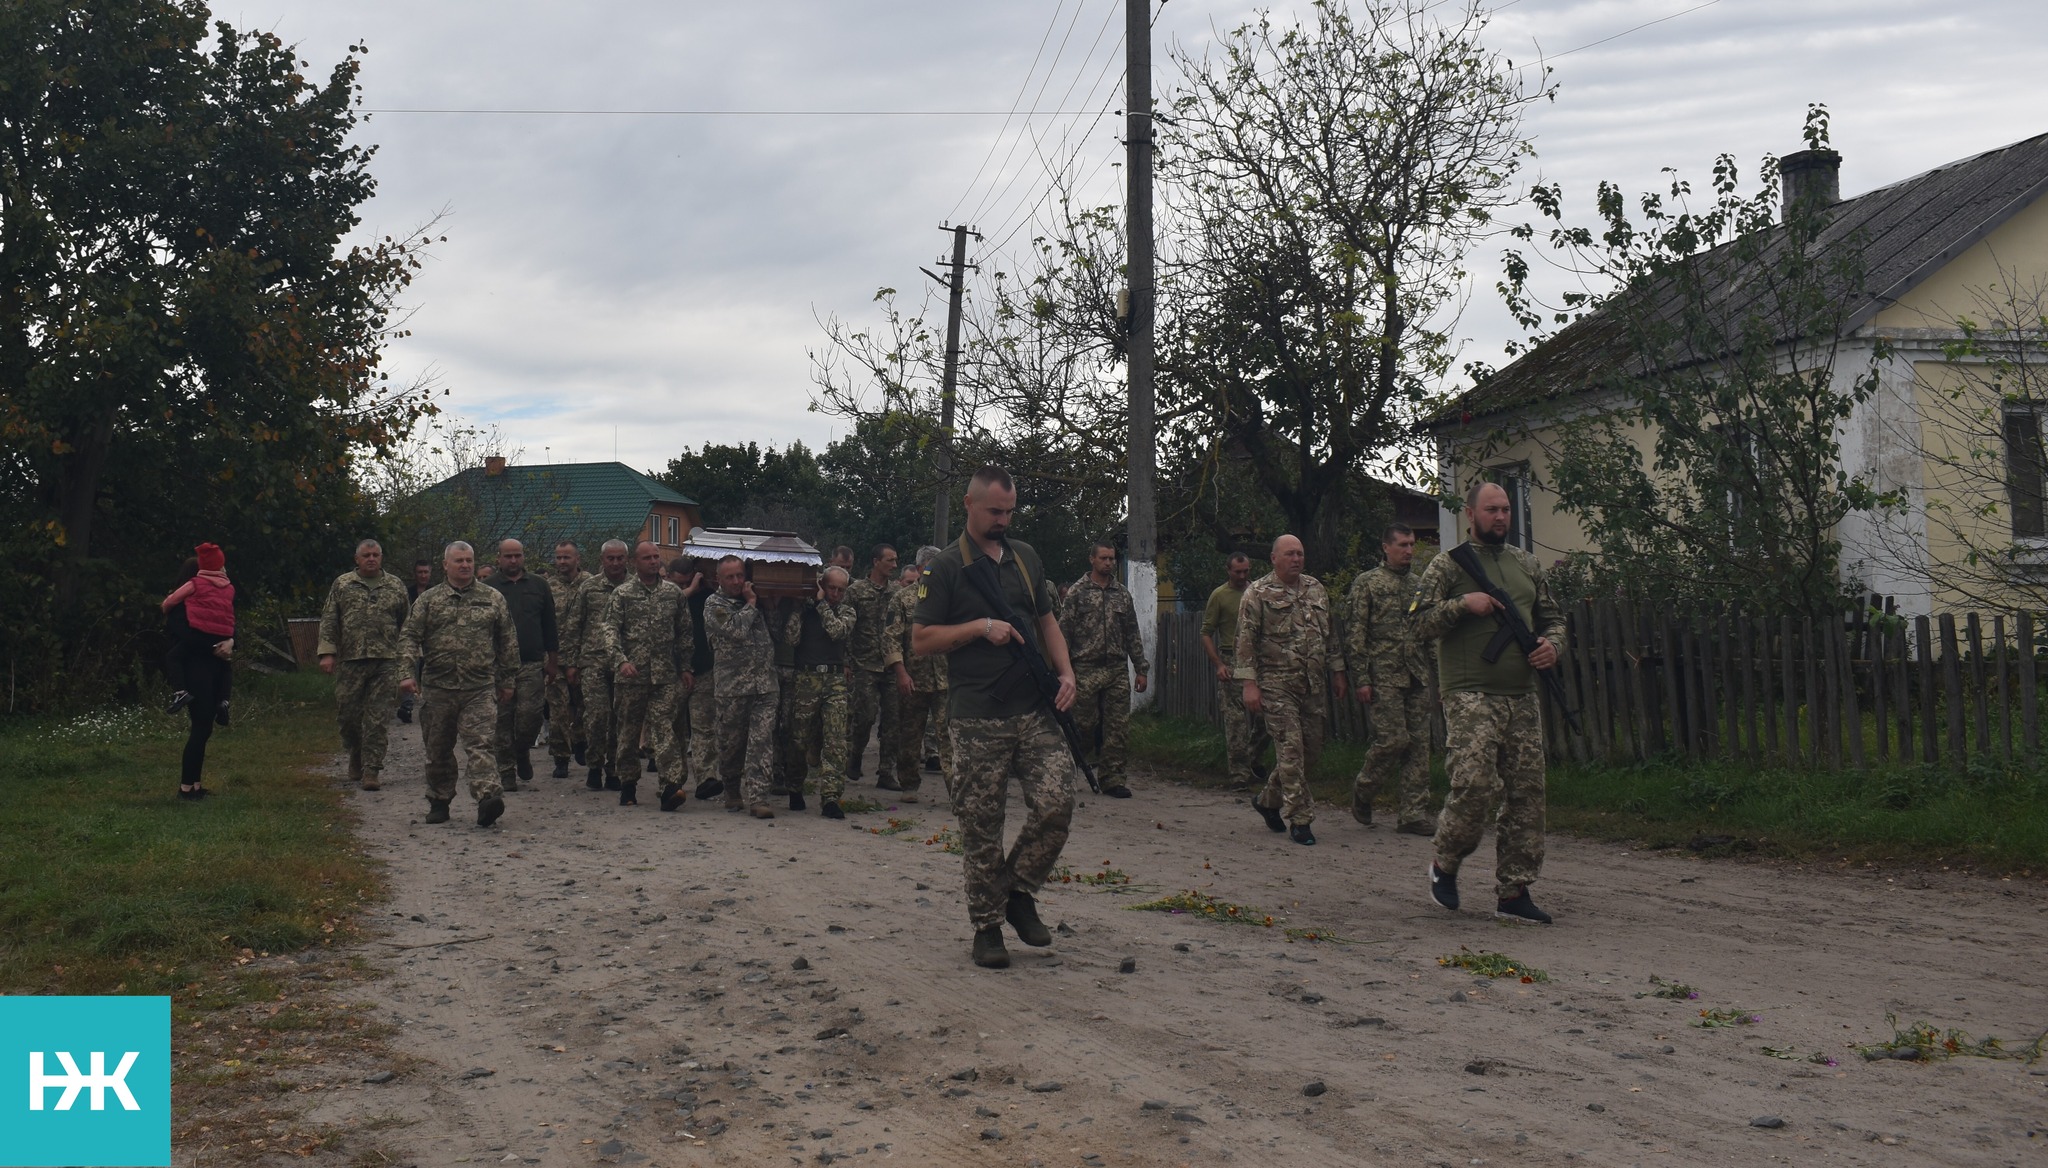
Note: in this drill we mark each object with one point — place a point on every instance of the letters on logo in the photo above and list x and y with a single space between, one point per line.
72 1082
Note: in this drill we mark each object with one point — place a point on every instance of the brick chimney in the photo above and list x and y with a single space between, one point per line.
494 466
1810 174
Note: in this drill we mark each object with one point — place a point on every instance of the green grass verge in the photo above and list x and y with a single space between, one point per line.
109 883
1986 815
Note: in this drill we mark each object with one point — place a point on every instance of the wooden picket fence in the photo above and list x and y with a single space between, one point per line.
1859 689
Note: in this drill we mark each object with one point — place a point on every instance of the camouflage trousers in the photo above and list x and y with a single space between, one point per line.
519 722
703 720
599 697
467 717
818 736
1244 733
874 705
924 714
1102 706
1494 754
1295 719
746 747
364 693
645 707
987 754
789 761
565 717
1400 753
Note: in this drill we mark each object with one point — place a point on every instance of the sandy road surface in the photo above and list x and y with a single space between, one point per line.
701 988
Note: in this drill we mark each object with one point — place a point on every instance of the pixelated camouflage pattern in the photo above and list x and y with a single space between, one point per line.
875 706
1399 755
365 692
460 640
518 720
1285 636
648 625
819 733
927 674
870 603
746 745
362 617
1380 644
580 639
460 717
1100 623
1295 721
923 718
744 653
564 701
1102 707
649 711
1494 753
702 715
988 753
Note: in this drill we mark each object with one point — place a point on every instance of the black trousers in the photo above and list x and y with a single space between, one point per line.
206 678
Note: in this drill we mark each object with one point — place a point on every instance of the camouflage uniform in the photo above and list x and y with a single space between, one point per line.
1387 657
1244 733
926 705
1101 626
464 647
745 676
702 710
565 701
788 774
532 604
1494 748
1287 643
585 647
874 697
648 625
359 627
818 731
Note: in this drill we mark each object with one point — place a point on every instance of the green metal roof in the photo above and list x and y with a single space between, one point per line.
564 500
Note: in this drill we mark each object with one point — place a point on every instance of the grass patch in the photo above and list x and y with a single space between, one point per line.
1921 1042
1492 965
110 884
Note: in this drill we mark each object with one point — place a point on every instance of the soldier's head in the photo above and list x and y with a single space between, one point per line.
1288 559
1102 560
568 558
1397 543
1487 506
925 556
1238 569
511 558
842 557
678 571
991 503
834 582
647 561
612 559
370 558
881 563
423 572
910 574
458 564
732 575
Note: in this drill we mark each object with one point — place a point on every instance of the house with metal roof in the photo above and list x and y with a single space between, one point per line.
1967 460
583 502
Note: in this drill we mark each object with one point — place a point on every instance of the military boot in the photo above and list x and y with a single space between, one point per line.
437 811
796 801
672 797
988 948
629 793
370 782
710 789
488 810
522 765
594 779
576 751
611 778
561 768
1022 914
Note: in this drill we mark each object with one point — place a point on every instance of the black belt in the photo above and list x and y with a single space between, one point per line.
819 668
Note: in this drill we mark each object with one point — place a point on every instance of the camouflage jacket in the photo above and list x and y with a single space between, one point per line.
565 596
837 621
581 636
740 643
1285 636
1100 623
648 625
362 616
1382 648
870 632
461 639
927 674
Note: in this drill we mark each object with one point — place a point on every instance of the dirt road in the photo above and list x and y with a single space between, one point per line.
588 984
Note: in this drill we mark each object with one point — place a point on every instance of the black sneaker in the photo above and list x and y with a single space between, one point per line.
1300 834
179 701
1521 910
830 809
437 811
796 801
488 811
1443 887
629 794
1119 791
671 797
710 789
220 714
988 949
561 768
1022 914
1273 819
594 779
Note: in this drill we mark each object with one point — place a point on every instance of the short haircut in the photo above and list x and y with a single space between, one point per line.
991 475
570 544
1394 529
506 540
1275 548
1472 492
844 575
880 550
367 543
1098 545
458 545
614 543
680 566
729 559
1238 558
926 554
843 551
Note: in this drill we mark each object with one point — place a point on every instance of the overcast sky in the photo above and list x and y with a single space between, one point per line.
645 282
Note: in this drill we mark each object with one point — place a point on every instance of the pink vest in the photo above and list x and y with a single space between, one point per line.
210 608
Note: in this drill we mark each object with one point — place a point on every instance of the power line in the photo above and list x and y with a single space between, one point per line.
1067 135
1014 103
741 113
1039 96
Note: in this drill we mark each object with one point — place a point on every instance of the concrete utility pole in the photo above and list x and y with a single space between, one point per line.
1143 534
942 458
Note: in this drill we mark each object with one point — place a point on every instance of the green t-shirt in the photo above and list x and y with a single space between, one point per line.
1219 619
986 681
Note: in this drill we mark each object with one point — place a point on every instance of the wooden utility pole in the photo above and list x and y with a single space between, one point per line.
942 457
1142 528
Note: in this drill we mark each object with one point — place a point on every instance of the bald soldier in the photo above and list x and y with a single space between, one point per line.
359 628
459 641
1287 653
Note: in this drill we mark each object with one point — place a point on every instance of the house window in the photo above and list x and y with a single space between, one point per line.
1515 481
675 532
2026 472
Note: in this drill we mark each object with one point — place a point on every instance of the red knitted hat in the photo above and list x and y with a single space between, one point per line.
211 558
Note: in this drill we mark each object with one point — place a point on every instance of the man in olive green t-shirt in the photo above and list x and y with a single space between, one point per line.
1244 733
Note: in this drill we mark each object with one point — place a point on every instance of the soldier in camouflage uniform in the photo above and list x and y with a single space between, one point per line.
1494 750
1244 733
744 656
817 633
920 685
1001 728
532 604
460 641
1286 645
787 776
1393 679
702 712
1100 621
359 627
589 656
875 702
647 633
564 698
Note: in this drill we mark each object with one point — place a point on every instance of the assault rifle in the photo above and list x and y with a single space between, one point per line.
1514 630
990 585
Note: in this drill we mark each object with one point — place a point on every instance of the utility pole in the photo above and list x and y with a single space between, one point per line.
942 457
1142 552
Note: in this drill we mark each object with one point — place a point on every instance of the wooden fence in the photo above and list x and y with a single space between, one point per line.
1858 690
